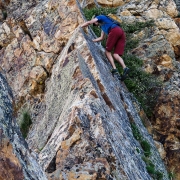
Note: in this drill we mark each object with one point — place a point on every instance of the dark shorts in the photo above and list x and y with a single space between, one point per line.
116 39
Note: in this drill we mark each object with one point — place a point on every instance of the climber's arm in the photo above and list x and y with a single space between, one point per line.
89 22
99 38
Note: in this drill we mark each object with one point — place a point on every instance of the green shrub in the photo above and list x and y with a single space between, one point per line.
144 144
171 175
159 175
145 87
146 147
150 168
136 132
88 13
147 152
25 123
4 13
155 174
136 26
138 151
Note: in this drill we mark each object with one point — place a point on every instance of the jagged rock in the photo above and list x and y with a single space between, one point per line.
87 3
46 60
10 165
6 35
161 149
135 7
85 129
38 76
159 48
112 3
35 41
16 160
167 118
157 53
105 3
160 12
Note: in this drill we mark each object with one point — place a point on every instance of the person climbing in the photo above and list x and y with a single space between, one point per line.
115 40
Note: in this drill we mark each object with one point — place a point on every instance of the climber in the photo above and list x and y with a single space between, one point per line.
115 40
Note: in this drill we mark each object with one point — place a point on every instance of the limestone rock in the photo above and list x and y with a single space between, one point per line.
10 165
83 132
167 118
104 3
16 160
159 49
112 3
38 77
6 35
87 3
34 38
161 149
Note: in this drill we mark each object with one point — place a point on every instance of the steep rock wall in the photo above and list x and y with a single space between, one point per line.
159 49
85 131
16 160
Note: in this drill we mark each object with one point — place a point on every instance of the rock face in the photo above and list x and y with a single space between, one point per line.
85 131
16 160
159 48
105 3
167 122
81 115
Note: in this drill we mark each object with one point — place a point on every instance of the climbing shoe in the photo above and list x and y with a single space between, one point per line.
125 73
115 73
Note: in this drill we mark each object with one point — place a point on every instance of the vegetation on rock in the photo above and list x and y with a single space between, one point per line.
147 153
25 123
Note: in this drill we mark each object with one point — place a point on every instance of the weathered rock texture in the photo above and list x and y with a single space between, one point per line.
81 114
159 48
85 131
16 161
103 3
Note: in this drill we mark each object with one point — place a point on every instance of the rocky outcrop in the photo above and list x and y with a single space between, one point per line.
31 42
103 3
159 48
167 122
85 131
16 160
81 115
